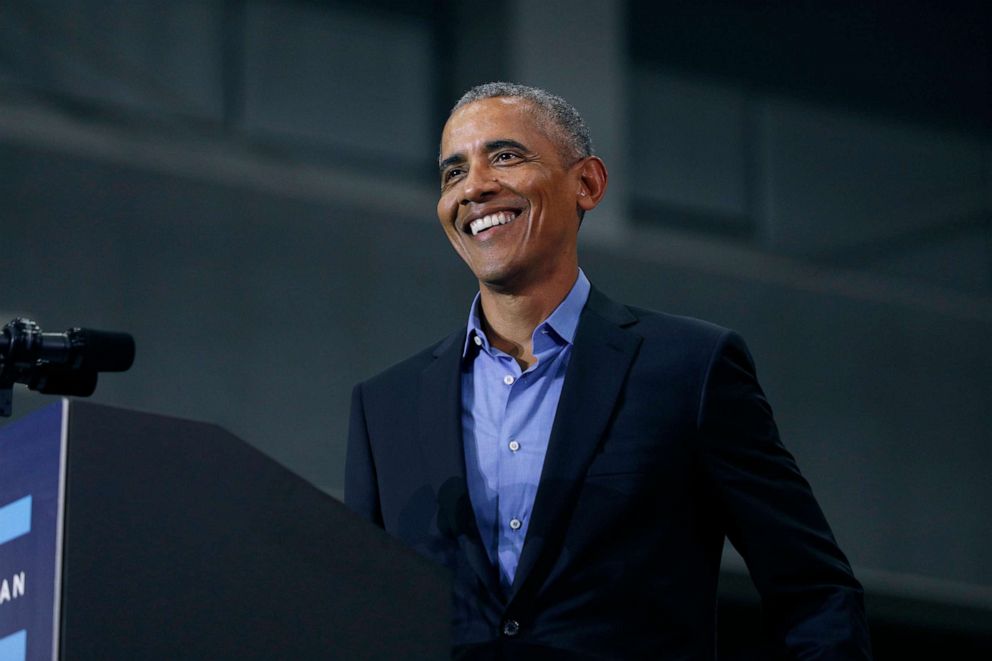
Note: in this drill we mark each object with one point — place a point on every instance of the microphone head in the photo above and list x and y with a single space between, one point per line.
102 351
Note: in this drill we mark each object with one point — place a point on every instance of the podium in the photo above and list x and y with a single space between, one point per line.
126 535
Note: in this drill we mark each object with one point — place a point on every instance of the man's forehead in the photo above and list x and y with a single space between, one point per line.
486 120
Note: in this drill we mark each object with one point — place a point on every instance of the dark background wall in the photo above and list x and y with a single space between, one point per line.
247 187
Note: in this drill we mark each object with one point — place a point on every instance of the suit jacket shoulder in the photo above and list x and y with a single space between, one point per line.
687 332
410 368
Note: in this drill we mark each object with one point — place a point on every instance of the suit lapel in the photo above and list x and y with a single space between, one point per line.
441 438
440 413
597 369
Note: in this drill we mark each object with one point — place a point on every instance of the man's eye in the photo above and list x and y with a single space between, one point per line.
451 174
506 156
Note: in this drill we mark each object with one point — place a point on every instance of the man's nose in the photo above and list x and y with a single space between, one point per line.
481 183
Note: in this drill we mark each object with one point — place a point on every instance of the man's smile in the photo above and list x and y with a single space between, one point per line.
483 223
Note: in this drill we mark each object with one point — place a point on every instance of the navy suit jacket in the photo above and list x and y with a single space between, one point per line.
663 444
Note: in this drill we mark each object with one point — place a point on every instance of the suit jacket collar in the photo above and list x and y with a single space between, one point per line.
601 358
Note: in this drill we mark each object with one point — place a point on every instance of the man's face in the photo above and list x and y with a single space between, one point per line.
508 202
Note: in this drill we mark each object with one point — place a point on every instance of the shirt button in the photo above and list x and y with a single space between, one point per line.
477 340
511 628
515 524
508 379
514 446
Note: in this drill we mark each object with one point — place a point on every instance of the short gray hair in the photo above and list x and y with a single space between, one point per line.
567 125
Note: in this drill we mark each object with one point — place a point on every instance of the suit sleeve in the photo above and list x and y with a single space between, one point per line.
361 491
810 597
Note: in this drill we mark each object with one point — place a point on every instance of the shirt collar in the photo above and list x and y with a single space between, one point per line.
563 321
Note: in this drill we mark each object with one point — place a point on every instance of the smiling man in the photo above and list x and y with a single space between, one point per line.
577 463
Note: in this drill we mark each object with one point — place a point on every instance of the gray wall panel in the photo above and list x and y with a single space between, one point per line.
691 149
834 180
156 57
342 78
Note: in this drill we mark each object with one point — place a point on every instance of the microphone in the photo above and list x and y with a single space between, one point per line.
58 363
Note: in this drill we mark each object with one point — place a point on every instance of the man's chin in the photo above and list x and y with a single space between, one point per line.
504 280
491 276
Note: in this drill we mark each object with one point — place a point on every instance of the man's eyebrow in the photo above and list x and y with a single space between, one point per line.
451 160
496 145
490 147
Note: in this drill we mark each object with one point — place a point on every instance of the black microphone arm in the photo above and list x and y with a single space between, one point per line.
58 363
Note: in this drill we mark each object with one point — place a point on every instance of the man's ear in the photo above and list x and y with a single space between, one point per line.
592 182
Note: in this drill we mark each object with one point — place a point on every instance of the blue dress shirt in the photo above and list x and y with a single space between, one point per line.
507 416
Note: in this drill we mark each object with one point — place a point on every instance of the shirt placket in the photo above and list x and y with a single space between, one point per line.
509 519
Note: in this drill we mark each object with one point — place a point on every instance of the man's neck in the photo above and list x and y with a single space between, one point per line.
510 317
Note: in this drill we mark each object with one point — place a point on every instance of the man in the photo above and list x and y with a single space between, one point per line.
574 462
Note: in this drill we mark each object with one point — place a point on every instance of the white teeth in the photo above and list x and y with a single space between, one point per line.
484 223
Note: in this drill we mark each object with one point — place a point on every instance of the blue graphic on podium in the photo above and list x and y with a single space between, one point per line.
30 483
